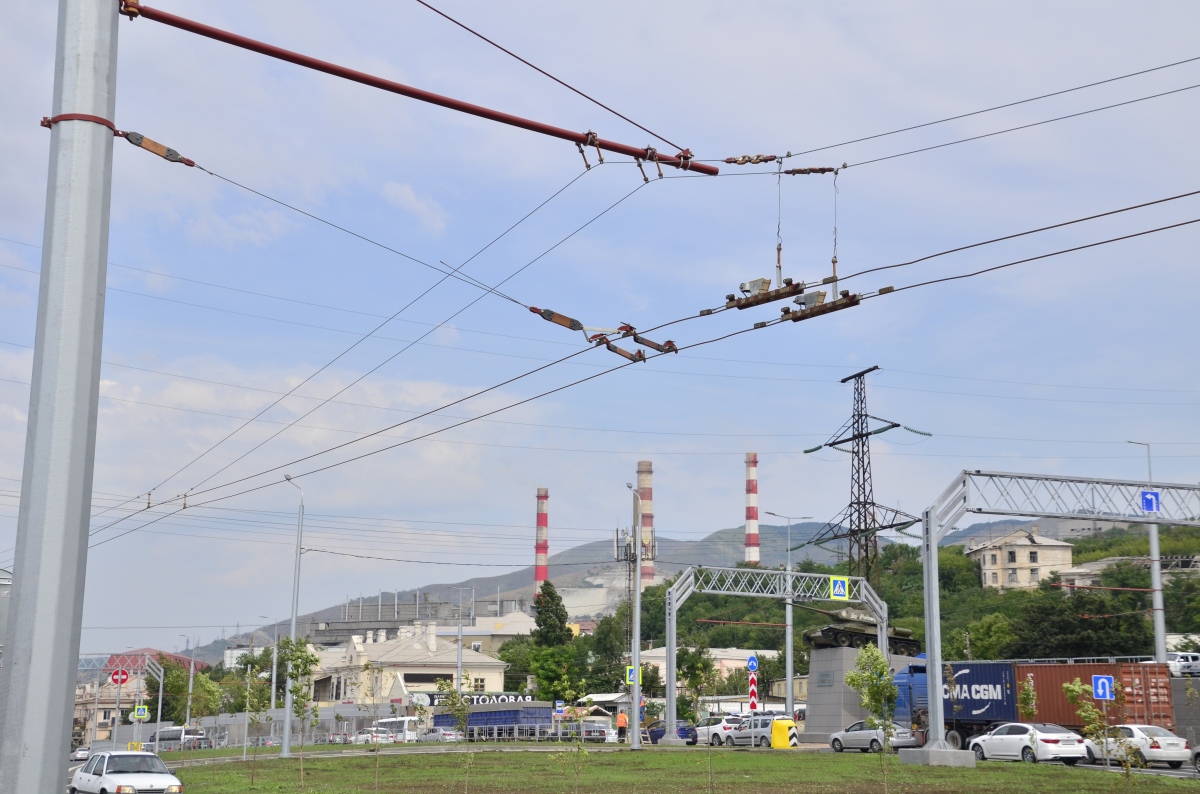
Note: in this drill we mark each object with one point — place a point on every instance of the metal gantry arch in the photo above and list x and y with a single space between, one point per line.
1043 496
758 583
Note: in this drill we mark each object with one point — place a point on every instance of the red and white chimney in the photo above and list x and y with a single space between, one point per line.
541 546
752 508
645 485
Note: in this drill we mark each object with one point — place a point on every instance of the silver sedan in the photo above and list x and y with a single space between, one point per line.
863 738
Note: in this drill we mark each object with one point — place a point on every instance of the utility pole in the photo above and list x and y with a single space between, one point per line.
37 683
459 675
289 699
789 634
1156 598
635 699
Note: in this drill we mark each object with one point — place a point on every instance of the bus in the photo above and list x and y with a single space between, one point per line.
403 728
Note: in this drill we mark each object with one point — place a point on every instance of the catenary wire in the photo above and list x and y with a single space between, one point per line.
995 107
547 74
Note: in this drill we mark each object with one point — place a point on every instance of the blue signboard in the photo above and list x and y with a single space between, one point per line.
1150 502
752 663
839 588
1103 687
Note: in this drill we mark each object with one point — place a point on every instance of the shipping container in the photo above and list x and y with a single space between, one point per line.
1147 690
1052 703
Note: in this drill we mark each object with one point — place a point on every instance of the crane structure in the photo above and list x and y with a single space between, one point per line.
860 523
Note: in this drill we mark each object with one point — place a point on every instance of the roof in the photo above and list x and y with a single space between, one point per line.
1018 538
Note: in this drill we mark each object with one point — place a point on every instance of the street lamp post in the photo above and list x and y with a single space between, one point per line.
286 750
187 715
1160 622
635 699
787 609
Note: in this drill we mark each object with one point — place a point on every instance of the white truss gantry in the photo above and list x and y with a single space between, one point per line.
758 583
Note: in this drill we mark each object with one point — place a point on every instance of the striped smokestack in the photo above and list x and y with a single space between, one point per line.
645 484
752 508
541 546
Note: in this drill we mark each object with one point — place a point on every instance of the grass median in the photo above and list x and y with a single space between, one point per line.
653 771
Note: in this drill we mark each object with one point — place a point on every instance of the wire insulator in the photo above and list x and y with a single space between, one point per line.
557 319
131 9
154 147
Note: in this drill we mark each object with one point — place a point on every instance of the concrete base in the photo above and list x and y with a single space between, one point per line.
925 757
815 738
672 741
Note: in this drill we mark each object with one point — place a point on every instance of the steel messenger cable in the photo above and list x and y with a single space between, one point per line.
429 434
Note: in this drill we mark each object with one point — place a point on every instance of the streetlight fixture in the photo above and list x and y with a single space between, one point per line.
274 658
286 750
635 699
1160 622
787 601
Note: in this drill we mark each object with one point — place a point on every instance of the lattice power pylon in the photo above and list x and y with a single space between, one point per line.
863 519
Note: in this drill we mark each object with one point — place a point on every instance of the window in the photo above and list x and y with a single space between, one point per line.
477 647
993 559
479 687
1012 574
1033 556
1012 556
90 769
995 578
1033 574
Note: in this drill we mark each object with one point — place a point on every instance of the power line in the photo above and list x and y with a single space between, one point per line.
995 107
1022 127
547 74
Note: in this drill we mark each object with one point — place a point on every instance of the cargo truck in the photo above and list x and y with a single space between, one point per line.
984 694
981 695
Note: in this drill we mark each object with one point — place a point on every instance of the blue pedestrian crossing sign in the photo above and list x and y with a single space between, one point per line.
752 663
1103 687
1150 502
140 714
629 673
839 588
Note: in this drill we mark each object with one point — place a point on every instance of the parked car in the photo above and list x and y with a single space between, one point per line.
338 738
1030 742
570 731
754 730
80 754
1196 758
715 729
441 735
1147 744
121 771
373 736
862 737
264 741
683 729
1183 664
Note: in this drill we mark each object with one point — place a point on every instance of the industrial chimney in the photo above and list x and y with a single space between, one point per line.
645 484
752 508
541 546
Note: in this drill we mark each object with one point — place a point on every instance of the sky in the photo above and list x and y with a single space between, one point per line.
219 300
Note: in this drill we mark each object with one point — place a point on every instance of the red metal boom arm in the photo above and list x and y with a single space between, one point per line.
133 9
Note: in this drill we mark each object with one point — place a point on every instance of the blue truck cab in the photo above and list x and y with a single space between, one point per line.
981 695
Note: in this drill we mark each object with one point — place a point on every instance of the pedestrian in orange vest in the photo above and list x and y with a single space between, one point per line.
622 725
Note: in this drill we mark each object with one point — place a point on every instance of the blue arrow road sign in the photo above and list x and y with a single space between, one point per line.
1150 502
752 663
1102 687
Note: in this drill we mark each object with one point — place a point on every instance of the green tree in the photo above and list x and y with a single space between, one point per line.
558 674
990 636
303 662
877 691
206 694
1027 699
515 653
1083 623
606 671
552 629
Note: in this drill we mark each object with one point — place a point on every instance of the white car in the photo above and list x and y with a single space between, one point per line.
716 730
440 735
124 773
373 736
1029 742
1148 744
80 754
870 740
1183 664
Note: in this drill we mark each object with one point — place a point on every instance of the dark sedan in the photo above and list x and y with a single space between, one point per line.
683 729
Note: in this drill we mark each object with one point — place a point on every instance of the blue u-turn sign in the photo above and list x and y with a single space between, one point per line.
1103 687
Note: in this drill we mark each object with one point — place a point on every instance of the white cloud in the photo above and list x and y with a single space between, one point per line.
426 210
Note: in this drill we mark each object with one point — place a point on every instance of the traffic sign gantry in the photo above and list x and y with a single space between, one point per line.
120 677
1103 687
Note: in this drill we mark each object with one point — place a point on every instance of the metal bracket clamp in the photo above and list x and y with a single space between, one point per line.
652 155
131 9
50 121
593 140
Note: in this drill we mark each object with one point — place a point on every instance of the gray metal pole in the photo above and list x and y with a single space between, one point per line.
116 720
158 718
187 715
1156 598
288 701
246 742
37 682
788 631
274 665
635 742
458 679
935 739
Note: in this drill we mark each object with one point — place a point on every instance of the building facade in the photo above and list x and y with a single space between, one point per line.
1020 560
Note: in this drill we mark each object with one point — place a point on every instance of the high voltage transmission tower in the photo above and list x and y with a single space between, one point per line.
863 519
